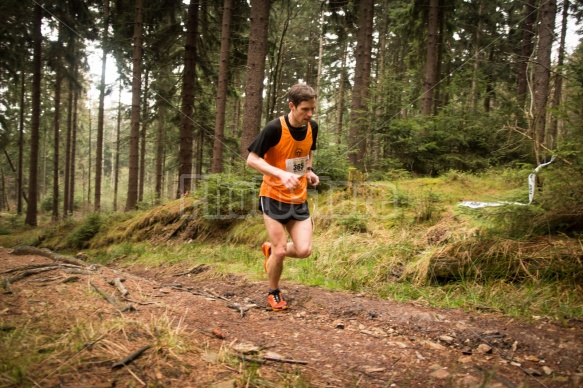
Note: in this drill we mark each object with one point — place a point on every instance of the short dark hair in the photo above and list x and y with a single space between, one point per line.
299 93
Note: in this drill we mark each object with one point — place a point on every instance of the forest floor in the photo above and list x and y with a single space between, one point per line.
205 329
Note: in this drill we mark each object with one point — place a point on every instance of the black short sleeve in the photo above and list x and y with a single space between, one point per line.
267 138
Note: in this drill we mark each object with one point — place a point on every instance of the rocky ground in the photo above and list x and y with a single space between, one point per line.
197 328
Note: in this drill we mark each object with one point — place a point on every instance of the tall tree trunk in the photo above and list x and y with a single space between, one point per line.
117 147
143 133
185 153
74 143
554 124
160 149
20 183
100 114
132 197
340 96
31 210
90 146
222 88
430 68
358 127
542 70
57 127
67 167
526 49
475 95
256 53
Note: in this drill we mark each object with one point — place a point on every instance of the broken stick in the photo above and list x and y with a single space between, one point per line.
130 358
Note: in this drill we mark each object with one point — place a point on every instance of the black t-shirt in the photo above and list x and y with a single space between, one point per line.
271 135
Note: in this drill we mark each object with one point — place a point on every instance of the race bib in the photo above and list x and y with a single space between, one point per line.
297 165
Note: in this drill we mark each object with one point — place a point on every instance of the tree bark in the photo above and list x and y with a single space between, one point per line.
257 50
132 196
117 147
100 113
185 153
67 166
143 133
74 143
20 183
222 88
526 49
31 211
57 126
554 124
430 68
358 127
542 71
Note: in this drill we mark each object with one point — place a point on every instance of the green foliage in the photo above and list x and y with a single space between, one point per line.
227 196
80 236
354 223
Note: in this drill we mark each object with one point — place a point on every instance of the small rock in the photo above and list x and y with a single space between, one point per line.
465 359
246 348
446 338
467 350
419 356
338 324
218 333
514 363
440 374
273 355
210 356
484 349
532 358
548 371
433 345
532 372
371 369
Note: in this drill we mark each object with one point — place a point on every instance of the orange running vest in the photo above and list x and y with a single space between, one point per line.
289 155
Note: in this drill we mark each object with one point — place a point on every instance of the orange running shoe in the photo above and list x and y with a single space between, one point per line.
275 300
266 249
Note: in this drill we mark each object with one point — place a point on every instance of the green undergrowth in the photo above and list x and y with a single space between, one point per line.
405 239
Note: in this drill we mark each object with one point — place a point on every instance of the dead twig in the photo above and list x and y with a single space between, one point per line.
131 357
117 282
104 295
242 309
194 270
31 272
285 360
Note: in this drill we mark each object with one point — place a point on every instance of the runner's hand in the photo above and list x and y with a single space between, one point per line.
290 180
313 179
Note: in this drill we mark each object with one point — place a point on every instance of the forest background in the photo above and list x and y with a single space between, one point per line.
473 94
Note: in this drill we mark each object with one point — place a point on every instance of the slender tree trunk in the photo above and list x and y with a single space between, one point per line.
526 49
430 69
160 149
67 166
542 71
117 147
143 132
185 153
257 51
554 124
56 135
132 197
74 144
31 211
358 127
340 96
222 88
20 183
100 114
90 146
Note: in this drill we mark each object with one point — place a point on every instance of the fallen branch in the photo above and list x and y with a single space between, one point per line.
31 272
30 266
120 287
104 295
285 360
130 358
242 309
78 271
28 250
194 270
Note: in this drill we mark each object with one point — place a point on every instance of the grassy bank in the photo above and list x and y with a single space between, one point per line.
405 239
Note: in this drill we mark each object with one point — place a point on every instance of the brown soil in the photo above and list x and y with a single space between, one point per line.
325 339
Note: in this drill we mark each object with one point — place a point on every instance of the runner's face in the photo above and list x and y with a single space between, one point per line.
302 113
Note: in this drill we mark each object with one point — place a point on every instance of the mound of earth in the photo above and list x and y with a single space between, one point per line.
193 327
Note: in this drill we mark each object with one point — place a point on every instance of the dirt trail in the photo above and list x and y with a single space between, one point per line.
326 339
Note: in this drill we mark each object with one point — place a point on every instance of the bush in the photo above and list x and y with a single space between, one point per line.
80 236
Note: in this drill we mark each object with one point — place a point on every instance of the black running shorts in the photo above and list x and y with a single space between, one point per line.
283 212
